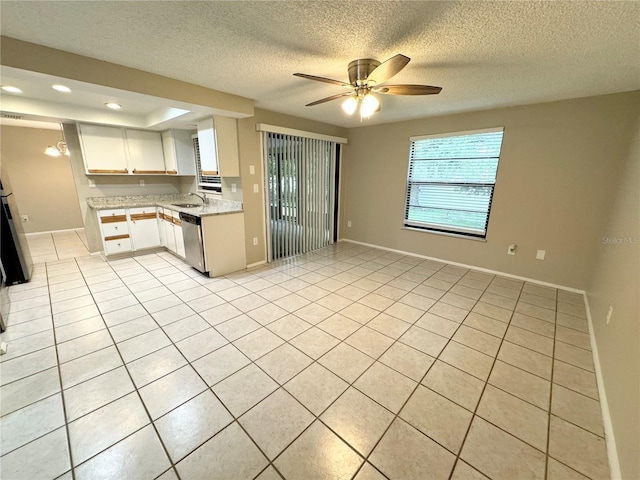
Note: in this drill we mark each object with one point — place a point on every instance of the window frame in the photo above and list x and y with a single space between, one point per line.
450 230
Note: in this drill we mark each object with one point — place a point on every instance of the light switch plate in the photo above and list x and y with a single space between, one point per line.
252 169
541 254
255 188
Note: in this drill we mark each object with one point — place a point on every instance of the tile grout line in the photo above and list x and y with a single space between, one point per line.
141 402
209 388
397 415
475 411
555 330
62 394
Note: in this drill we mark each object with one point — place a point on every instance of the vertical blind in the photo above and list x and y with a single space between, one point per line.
299 182
451 181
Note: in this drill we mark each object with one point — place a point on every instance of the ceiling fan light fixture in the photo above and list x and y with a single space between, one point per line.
350 105
367 75
369 106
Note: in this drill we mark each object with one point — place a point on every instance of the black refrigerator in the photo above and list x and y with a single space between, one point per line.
14 251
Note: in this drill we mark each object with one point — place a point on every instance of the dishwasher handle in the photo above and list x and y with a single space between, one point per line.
192 219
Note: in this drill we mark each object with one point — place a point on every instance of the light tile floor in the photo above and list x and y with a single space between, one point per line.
348 362
61 245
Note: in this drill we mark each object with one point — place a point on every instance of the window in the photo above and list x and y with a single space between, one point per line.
451 180
206 183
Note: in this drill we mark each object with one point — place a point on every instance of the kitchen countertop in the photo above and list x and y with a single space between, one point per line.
216 206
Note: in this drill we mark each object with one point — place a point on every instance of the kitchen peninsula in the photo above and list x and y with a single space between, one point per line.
136 223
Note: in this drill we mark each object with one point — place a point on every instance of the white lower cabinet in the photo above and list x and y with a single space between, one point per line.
114 228
172 231
133 229
179 239
125 230
144 227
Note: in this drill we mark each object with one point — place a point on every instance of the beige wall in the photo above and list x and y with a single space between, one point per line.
43 185
112 185
250 146
616 283
558 168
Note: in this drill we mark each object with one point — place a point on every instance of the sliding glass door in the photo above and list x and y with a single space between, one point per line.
300 174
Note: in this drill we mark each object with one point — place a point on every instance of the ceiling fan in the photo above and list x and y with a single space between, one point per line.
367 76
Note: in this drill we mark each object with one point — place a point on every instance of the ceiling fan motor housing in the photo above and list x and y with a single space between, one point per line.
360 69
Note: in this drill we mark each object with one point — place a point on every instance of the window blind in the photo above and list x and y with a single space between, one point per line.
451 180
207 183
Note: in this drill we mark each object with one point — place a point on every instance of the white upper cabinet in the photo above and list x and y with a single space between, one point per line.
145 152
226 130
122 151
218 142
179 155
103 149
207 146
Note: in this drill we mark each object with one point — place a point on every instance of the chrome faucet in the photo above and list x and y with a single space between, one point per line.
202 197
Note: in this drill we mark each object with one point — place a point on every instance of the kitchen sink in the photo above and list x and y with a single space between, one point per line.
187 205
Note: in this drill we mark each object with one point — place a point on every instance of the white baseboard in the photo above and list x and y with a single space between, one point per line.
66 230
481 269
612 451
256 264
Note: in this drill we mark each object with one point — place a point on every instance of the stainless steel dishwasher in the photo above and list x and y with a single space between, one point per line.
193 242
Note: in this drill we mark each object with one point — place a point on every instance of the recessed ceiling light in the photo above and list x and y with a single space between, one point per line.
113 106
11 89
61 88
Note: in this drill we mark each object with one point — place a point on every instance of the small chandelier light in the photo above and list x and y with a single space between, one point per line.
59 149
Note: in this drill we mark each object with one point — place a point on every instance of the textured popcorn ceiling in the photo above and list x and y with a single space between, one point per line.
483 54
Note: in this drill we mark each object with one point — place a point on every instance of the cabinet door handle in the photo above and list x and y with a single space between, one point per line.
149 172
108 171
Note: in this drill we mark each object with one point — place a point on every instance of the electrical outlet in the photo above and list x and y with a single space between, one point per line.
25 218
349 223
609 313
252 170
512 249
255 188
92 183
233 188
540 254
255 240
141 183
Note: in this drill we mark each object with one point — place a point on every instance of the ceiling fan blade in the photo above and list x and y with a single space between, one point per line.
388 69
407 89
322 79
328 99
